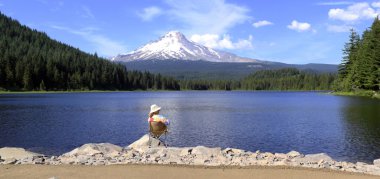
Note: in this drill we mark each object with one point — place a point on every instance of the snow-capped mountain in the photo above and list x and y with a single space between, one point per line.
174 45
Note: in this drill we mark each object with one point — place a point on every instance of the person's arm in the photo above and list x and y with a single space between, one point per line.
163 120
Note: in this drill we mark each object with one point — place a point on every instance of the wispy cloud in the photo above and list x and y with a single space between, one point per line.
262 23
149 13
355 12
338 28
87 13
222 42
1 4
202 17
299 26
376 4
336 3
103 45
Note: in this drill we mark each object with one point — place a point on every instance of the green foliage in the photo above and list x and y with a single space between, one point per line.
30 60
210 84
281 79
359 69
288 79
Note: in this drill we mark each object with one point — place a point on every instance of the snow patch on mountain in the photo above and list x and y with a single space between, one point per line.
174 45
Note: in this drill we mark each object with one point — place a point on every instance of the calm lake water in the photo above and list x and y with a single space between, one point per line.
346 128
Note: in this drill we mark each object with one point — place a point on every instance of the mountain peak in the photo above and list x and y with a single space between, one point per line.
174 45
175 34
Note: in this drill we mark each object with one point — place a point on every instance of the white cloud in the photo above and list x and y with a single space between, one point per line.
376 4
339 28
149 13
102 44
355 12
211 16
299 26
87 13
262 23
222 42
337 3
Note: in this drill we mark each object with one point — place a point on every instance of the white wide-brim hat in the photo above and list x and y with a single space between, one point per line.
154 108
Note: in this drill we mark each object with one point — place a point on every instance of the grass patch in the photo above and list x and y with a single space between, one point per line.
363 93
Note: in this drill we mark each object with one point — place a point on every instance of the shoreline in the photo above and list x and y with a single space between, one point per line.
169 171
366 94
121 91
140 153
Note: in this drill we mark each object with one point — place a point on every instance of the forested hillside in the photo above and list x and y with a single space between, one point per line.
288 79
360 67
280 79
30 60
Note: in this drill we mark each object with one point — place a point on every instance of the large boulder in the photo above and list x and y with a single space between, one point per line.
293 154
205 151
143 143
314 158
106 149
377 162
16 153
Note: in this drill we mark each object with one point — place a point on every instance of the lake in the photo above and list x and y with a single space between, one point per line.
346 128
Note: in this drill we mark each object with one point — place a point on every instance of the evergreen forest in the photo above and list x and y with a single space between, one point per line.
360 66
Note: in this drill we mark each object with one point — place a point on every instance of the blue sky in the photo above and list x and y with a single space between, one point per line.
293 31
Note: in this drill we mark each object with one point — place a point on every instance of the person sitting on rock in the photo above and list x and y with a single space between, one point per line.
154 115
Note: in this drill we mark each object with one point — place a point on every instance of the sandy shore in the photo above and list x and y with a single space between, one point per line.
167 172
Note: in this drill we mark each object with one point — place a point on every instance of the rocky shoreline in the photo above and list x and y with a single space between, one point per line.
139 152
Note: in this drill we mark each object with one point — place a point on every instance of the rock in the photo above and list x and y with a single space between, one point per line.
282 163
376 162
9 161
281 155
233 151
317 157
38 160
268 155
16 153
199 161
205 151
172 151
143 143
294 154
150 151
185 151
91 149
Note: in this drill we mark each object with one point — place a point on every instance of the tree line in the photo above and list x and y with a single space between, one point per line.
359 69
30 60
279 79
